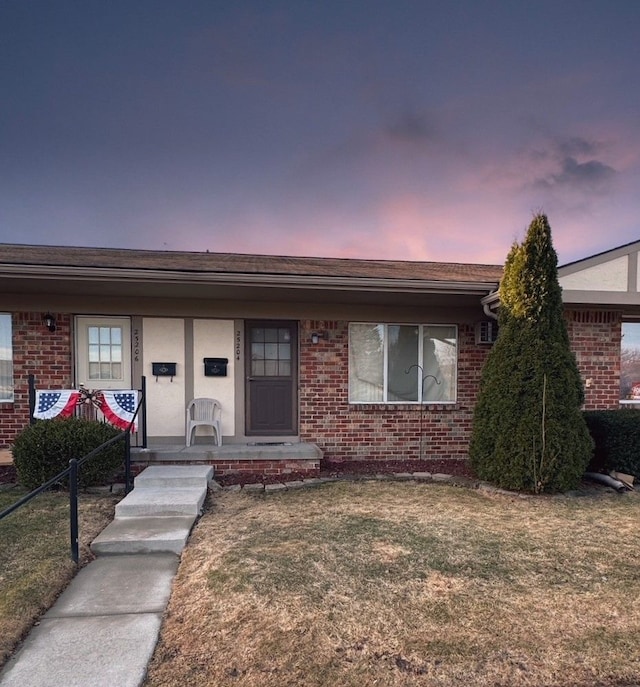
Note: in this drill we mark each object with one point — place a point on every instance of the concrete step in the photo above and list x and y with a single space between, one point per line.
180 476
144 535
159 501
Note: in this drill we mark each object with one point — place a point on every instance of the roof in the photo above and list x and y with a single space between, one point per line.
243 264
35 274
600 258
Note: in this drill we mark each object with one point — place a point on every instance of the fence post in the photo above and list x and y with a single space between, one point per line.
32 399
144 411
127 463
73 507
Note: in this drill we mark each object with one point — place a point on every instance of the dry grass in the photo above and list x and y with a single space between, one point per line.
35 562
406 584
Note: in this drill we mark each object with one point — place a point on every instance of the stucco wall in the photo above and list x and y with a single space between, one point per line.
214 339
187 344
609 276
163 341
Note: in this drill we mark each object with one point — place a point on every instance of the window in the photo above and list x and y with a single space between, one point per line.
271 352
105 353
6 359
402 363
630 363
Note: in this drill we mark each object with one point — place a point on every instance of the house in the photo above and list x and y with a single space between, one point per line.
362 359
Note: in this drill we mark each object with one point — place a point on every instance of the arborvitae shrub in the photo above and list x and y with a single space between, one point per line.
528 430
616 434
45 448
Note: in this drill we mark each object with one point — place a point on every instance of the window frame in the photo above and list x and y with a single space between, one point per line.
621 400
6 319
385 362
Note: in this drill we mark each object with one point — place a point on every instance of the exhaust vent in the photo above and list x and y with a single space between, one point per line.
486 332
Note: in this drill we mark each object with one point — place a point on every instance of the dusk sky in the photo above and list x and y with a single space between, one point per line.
402 129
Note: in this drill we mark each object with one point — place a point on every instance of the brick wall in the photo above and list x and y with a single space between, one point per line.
370 431
37 351
341 430
595 339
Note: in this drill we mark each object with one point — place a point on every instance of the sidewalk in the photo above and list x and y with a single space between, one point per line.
103 629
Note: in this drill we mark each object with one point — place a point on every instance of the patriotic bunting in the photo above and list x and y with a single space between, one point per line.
58 403
119 407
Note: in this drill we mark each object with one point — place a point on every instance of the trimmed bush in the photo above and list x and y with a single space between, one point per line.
616 434
528 430
44 449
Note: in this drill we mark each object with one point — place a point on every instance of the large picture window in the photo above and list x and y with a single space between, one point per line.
402 363
630 363
6 359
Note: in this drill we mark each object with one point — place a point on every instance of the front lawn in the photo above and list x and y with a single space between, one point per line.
35 559
383 583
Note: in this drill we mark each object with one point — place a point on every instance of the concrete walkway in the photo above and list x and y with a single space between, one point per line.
103 629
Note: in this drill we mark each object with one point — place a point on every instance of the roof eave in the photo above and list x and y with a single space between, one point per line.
55 272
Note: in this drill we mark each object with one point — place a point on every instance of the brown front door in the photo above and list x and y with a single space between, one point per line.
272 373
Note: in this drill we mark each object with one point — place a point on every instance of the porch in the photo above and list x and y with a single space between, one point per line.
244 461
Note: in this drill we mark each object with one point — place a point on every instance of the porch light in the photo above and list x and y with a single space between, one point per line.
316 336
50 322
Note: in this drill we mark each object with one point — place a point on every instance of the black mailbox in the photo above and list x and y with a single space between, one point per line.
163 369
215 367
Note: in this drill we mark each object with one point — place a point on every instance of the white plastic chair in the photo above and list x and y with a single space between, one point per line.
204 411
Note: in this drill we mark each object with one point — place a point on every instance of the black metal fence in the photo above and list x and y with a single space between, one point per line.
72 474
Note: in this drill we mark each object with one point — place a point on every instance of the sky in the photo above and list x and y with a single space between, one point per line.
396 129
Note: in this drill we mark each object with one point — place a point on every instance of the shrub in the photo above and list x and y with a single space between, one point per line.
45 448
616 434
528 431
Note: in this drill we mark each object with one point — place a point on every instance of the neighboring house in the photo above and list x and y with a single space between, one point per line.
356 356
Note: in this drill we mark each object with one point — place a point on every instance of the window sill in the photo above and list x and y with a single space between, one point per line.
386 407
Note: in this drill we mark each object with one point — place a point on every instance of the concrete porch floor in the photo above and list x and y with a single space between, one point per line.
229 452
245 461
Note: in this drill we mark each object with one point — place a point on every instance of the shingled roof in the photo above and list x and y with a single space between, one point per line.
234 263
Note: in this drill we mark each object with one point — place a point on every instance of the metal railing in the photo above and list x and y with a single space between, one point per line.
92 413
72 473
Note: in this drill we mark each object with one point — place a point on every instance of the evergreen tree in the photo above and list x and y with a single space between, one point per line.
528 429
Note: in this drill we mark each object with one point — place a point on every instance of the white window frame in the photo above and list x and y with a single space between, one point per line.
385 372
6 353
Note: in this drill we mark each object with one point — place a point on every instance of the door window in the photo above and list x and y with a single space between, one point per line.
271 352
105 352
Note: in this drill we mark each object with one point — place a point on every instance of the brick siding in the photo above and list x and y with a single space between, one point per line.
37 351
370 431
342 430
380 431
595 339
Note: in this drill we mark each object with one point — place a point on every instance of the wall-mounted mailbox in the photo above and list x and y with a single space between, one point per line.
215 367
163 370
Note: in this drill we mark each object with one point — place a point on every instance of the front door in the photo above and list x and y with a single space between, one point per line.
272 377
